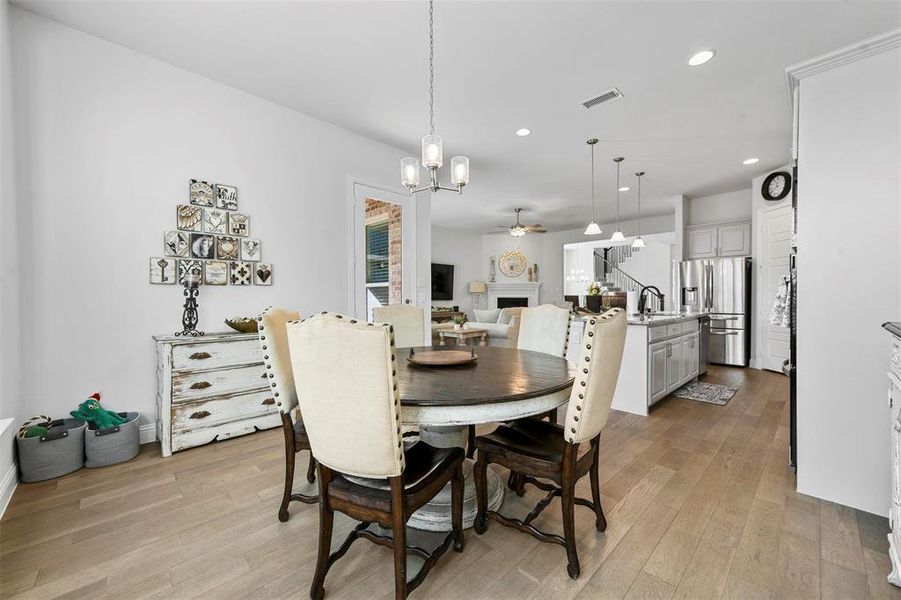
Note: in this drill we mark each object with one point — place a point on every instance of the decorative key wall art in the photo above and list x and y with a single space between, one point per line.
210 242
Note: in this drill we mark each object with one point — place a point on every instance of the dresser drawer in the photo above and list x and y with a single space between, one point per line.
689 326
190 385
189 438
216 411
214 355
673 329
656 333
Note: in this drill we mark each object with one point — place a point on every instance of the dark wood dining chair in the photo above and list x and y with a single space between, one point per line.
348 391
540 450
274 344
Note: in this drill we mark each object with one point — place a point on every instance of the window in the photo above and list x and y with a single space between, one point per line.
377 266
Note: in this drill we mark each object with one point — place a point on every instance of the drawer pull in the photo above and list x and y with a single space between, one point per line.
201 385
200 356
268 402
200 414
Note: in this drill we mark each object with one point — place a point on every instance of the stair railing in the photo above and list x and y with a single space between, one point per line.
621 279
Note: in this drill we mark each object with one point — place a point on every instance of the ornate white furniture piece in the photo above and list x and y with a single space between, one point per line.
894 402
211 388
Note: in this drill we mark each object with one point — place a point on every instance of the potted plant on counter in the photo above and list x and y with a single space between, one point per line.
458 321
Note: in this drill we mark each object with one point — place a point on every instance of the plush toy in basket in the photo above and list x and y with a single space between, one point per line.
92 413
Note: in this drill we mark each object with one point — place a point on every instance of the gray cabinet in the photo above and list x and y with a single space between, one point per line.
719 240
657 362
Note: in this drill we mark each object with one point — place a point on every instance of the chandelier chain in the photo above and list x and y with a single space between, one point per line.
431 67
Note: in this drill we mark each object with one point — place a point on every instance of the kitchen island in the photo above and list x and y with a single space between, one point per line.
661 354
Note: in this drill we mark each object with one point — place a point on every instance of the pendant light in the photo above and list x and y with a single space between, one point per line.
433 145
593 227
618 234
638 243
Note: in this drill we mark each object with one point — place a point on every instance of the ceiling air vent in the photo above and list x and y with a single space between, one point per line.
608 96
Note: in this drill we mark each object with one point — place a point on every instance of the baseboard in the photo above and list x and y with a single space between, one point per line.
148 433
8 486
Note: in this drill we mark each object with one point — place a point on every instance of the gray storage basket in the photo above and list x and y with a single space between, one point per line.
104 447
59 452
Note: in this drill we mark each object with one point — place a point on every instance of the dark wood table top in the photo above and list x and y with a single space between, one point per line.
499 375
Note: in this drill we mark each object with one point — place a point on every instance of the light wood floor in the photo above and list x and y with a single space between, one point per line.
699 501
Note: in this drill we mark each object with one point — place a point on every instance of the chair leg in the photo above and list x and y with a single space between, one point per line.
311 469
480 475
457 509
552 416
471 442
567 502
600 521
399 527
326 520
290 453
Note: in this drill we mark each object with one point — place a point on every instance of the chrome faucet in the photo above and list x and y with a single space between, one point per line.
643 298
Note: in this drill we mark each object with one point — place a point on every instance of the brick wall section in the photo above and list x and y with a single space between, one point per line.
376 211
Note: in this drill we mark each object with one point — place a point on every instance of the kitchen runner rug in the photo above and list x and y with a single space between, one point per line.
713 393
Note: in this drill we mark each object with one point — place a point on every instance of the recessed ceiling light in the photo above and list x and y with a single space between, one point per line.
625 188
523 132
701 57
750 161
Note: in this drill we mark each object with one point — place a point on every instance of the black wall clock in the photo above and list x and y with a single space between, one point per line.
776 186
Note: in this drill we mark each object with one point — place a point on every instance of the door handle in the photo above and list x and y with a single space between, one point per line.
723 333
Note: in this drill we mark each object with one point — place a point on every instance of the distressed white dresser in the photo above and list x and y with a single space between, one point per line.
894 402
211 388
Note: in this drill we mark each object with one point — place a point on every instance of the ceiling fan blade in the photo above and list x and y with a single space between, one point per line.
535 228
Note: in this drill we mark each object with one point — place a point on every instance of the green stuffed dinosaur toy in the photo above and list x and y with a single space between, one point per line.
90 411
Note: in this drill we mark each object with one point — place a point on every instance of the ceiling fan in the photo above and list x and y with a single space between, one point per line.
519 230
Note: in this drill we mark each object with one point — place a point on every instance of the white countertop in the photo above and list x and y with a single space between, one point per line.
658 319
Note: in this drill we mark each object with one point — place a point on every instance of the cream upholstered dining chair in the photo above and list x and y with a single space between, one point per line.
539 449
274 343
346 378
545 329
408 322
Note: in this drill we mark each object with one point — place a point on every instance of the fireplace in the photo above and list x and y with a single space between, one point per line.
514 293
512 302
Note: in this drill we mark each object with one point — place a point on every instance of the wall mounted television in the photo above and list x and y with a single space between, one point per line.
442 282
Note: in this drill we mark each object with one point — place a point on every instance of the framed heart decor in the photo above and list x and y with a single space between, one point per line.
262 275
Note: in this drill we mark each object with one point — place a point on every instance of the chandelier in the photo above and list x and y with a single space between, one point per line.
433 145
593 227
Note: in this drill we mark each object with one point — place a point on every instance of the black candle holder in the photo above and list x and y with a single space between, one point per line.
189 317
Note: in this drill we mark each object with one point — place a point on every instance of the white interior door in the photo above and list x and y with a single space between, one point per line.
775 236
383 261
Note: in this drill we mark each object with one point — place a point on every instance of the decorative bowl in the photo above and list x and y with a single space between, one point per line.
242 324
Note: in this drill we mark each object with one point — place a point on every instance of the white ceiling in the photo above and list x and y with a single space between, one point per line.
505 65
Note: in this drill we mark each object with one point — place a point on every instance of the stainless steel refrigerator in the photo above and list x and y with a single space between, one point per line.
720 287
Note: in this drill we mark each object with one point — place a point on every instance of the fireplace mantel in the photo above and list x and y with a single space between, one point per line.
516 289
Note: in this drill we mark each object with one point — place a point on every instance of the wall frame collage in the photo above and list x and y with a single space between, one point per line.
210 242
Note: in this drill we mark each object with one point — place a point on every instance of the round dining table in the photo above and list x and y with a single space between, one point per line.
502 384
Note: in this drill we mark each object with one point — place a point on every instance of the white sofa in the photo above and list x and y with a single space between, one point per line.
502 324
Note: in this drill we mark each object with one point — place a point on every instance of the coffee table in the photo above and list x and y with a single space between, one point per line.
462 335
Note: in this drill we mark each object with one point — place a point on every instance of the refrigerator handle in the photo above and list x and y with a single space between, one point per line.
708 296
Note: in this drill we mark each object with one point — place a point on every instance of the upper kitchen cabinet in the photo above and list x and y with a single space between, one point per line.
719 240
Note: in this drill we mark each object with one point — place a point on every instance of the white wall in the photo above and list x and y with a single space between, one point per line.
109 140
10 360
730 206
464 251
848 227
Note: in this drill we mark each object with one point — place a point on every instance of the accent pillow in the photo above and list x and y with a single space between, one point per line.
486 315
504 317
